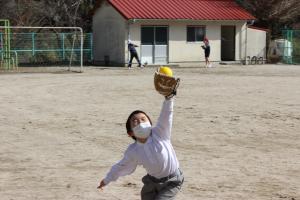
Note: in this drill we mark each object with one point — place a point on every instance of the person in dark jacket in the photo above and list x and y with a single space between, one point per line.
133 54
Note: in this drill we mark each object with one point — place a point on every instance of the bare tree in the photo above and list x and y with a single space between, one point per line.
47 13
285 10
273 14
282 10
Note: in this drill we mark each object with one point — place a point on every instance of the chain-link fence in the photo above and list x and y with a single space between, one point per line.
291 46
48 48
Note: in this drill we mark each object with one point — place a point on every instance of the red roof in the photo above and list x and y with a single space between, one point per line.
181 9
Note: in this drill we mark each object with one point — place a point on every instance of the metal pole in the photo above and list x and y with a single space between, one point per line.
1 48
63 45
71 56
81 50
7 59
246 42
8 45
91 45
17 61
33 43
292 46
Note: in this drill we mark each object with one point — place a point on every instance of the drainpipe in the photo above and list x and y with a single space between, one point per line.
246 44
130 21
128 35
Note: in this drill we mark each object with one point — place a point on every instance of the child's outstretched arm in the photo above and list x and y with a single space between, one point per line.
124 167
164 123
165 84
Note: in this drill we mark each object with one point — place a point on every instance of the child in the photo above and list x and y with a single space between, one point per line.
153 150
206 48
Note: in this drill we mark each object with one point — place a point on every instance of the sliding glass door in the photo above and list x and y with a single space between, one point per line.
154 44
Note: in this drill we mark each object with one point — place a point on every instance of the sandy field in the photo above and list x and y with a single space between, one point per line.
236 132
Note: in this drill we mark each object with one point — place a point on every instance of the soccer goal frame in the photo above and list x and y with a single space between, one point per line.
56 28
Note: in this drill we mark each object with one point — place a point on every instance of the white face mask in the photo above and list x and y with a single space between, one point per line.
142 130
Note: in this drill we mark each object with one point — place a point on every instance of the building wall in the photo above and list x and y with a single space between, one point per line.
256 43
109 33
134 34
181 51
241 41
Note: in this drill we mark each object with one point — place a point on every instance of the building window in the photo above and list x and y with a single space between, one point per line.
154 35
195 33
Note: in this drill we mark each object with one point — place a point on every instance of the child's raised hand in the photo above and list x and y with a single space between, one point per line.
101 185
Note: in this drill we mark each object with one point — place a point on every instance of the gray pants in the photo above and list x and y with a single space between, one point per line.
161 189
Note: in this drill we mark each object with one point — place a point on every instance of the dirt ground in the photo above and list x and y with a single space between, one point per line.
236 132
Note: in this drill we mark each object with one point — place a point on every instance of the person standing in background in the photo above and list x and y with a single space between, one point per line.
206 48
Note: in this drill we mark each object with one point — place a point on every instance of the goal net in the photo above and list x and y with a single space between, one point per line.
44 48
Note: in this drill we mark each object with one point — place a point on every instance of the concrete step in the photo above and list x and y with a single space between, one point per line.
230 63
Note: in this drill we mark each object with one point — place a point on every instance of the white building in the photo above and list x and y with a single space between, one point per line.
170 31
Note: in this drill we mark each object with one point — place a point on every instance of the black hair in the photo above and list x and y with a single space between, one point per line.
128 126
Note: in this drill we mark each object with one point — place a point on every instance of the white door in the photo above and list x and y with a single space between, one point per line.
154 44
147 54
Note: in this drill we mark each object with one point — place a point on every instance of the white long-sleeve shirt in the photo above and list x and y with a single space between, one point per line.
157 155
